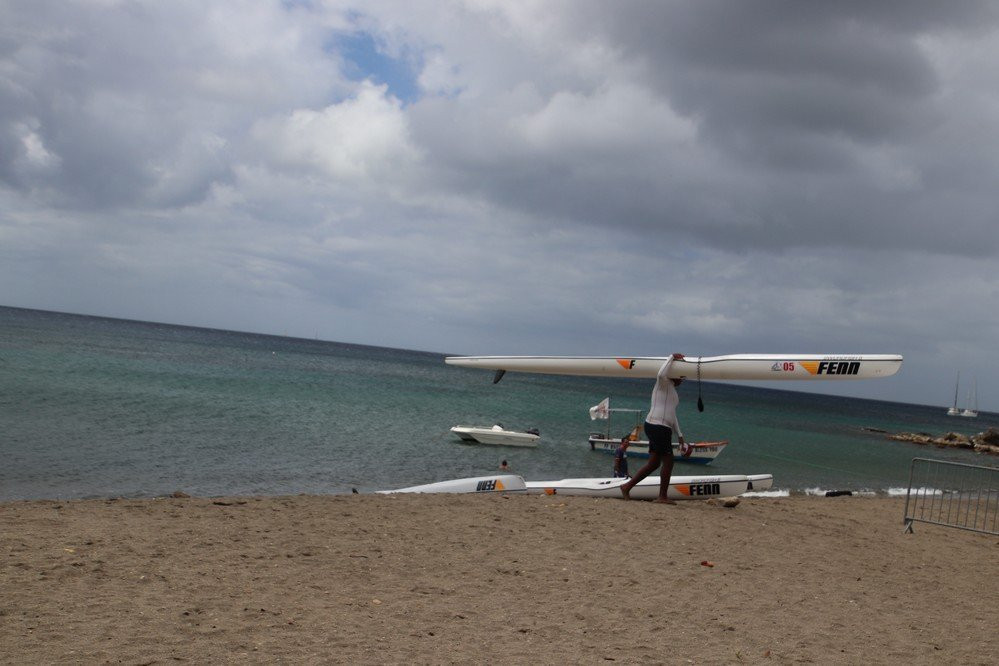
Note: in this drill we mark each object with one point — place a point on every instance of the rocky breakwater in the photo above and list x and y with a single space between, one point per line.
983 442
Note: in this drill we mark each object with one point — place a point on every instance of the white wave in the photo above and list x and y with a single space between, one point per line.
897 492
767 493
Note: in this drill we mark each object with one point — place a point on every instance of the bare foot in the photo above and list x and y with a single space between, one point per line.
625 493
663 500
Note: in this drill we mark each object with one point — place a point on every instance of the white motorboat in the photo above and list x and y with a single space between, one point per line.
496 435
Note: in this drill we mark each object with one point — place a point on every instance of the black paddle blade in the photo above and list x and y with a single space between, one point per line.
498 376
700 404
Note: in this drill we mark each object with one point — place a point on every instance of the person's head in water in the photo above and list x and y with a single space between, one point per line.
625 441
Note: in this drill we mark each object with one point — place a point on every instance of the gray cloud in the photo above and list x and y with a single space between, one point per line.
582 177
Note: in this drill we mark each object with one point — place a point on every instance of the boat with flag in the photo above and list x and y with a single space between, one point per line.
698 453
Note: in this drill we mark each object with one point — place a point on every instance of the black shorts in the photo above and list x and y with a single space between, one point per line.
660 438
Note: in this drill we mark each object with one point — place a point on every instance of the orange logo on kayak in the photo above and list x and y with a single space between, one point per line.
811 366
626 363
499 485
683 489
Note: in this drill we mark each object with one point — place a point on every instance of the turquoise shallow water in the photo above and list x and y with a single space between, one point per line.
95 407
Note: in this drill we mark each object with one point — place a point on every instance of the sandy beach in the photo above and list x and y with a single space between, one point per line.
490 579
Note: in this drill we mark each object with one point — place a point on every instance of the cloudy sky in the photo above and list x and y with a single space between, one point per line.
505 177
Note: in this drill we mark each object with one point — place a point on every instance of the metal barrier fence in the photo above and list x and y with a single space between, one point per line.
953 494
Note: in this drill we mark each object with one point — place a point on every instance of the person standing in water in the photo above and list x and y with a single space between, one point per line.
621 459
660 424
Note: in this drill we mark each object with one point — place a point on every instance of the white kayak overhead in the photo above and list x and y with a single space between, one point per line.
753 367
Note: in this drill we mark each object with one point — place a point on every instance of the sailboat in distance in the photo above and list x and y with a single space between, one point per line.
954 411
972 408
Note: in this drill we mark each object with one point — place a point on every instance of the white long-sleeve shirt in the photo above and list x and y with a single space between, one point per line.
664 401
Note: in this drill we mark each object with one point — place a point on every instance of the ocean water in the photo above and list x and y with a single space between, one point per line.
95 407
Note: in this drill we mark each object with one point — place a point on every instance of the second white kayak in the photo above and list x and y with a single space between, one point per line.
680 487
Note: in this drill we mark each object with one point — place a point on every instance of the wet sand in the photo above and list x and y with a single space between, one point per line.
491 579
